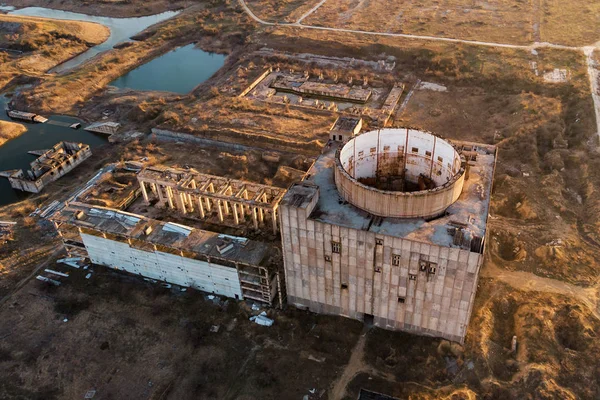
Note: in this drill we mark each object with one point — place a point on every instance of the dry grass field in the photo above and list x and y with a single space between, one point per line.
573 23
10 130
497 21
283 10
31 46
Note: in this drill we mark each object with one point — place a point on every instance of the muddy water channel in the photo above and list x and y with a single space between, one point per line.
121 29
13 154
178 71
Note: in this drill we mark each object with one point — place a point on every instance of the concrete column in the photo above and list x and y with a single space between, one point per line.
274 218
161 197
170 197
226 207
201 207
235 214
154 188
180 200
220 211
254 218
144 193
190 202
208 205
261 214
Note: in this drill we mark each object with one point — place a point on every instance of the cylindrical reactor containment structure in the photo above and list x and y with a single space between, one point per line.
402 173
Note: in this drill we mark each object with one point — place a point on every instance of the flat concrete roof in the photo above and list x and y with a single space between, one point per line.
167 234
469 212
346 124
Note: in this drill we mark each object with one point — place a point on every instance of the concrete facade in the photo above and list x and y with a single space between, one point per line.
231 266
417 275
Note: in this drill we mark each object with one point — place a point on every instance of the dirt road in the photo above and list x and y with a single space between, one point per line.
527 281
354 366
587 50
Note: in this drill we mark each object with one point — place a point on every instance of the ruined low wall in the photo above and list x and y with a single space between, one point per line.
230 140
256 82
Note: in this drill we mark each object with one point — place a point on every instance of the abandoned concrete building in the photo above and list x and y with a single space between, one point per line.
345 128
225 265
231 201
49 166
389 228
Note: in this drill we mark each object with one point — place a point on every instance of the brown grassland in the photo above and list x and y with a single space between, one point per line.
40 44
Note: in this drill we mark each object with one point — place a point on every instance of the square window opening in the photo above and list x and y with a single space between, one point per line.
336 247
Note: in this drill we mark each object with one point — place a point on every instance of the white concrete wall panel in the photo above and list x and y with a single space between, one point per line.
172 268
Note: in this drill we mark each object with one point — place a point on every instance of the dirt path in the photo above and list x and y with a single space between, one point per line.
536 20
527 281
588 51
593 76
309 12
407 35
355 365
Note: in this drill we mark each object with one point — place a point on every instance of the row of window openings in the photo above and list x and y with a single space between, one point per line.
401 299
336 247
415 150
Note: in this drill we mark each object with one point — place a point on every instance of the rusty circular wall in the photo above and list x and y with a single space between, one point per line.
399 155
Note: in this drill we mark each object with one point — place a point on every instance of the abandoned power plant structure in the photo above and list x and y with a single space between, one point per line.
49 166
189 191
388 226
179 254
229 266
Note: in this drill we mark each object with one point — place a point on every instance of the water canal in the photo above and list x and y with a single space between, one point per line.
13 154
121 29
179 71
